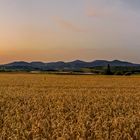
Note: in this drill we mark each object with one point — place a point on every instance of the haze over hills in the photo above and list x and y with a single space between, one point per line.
60 65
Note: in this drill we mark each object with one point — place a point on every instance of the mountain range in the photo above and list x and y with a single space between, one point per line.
60 65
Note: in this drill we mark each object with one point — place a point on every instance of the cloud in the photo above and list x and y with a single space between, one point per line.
68 25
94 12
90 12
135 4
97 8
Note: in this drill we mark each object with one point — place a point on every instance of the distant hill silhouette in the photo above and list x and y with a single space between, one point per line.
74 65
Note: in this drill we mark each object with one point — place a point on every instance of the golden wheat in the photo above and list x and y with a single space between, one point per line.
51 107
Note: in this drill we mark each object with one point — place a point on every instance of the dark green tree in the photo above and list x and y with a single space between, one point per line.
108 70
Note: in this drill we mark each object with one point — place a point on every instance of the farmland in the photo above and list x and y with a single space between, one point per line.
69 107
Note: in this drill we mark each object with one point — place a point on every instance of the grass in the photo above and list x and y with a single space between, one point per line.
69 107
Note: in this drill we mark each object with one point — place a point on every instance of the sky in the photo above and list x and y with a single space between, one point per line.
66 30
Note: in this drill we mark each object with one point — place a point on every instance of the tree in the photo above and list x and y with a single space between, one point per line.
128 73
108 70
118 73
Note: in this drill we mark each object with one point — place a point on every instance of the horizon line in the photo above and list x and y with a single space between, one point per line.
69 61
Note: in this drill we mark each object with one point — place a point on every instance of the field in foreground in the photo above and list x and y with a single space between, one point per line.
51 107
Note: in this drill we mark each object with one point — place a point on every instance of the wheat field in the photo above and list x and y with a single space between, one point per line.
66 107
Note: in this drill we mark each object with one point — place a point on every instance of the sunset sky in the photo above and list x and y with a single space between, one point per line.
54 30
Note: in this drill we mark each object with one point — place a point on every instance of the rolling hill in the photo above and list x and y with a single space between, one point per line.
74 65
